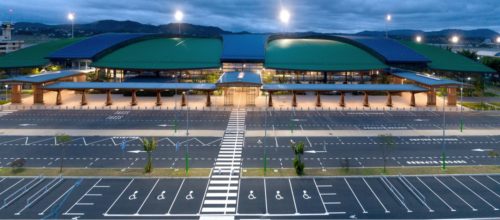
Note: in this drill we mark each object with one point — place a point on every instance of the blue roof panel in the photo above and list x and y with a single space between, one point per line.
391 50
244 47
90 47
131 85
343 87
240 77
46 76
426 79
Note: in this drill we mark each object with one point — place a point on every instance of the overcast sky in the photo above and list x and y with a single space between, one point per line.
262 15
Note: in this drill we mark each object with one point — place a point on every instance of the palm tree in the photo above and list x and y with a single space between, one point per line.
386 146
149 146
61 139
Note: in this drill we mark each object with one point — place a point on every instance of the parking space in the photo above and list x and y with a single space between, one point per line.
396 197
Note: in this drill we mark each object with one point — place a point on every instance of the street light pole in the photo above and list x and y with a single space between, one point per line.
71 17
6 90
462 105
388 19
443 154
178 17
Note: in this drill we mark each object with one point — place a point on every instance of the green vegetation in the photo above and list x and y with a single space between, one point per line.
3 102
149 146
387 145
374 171
298 150
61 139
481 106
81 172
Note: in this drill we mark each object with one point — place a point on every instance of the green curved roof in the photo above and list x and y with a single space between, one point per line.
165 53
34 56
442 59
318 55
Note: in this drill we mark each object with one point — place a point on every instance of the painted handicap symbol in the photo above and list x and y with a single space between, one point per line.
161 196
278 196
133 196
251 196
190 195
305 195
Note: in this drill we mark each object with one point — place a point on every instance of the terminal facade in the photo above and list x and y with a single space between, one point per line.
242 66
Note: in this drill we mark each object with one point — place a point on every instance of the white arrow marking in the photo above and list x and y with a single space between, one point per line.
136 151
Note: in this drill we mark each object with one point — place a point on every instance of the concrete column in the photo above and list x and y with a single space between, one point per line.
114 75
108 98
84 98
389 100
59 98
294 99
365 100
270 101
431 97
134 98
412 100
342 99
318 99
158 98
183 99
16 96
37 93
209 101
452 96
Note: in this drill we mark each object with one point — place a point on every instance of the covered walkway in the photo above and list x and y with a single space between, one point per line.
133 87
342 88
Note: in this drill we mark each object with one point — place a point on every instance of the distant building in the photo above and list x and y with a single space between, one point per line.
8 45
488 53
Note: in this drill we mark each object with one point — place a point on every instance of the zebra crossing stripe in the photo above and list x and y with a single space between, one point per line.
222 191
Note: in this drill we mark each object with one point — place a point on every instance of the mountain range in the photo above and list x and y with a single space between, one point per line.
106 26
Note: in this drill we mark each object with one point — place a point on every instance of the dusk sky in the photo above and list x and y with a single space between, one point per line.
262 15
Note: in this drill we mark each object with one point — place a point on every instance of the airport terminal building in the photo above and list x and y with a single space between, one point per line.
242 66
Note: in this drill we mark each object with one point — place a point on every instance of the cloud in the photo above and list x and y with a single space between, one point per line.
261 15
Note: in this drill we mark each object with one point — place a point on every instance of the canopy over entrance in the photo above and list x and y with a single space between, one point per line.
240 79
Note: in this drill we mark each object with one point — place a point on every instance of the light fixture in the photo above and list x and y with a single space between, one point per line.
284 15
71 16
455 39
178 16
418 39
498 39
388 17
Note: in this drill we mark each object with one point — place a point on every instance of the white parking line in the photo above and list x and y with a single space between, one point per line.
293 197
473 209
320 196
177 194
493 180
484 186
146 199
117 198
472 191
356 197
78 201
439 197
369 187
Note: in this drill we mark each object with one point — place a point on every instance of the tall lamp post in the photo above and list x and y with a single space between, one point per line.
285 17
443 149
6 90
388 19
498 41
178 18
71 18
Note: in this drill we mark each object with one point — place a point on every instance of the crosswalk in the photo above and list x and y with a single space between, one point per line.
222 192
6 112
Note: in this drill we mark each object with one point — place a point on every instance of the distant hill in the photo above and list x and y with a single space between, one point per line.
105 26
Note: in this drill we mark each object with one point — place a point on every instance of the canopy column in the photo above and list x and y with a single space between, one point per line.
84 98
58 98
183 99
431 97
37 93
412 100
365 100
209 101
158 98
108 98
294 99
16 97
342 99
134 98
318 99
452 96
389 100
270 101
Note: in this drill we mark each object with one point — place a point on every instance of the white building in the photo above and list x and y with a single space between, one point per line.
8 45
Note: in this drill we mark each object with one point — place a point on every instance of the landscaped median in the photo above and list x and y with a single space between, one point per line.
136 172
371 171
482 106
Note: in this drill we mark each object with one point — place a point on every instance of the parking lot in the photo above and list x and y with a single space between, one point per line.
368 120
409 197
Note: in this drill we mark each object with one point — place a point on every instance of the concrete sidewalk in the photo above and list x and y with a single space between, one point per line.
249 133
